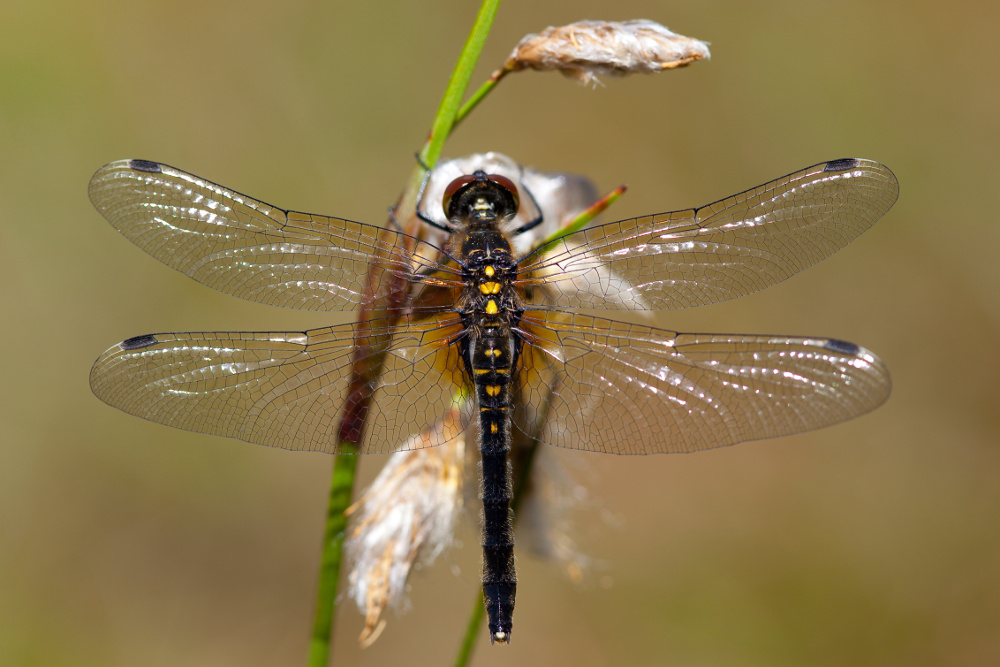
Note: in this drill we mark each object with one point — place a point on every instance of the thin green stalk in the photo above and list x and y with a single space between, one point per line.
481 94
341 491
584 219
345 464
444 120
472 630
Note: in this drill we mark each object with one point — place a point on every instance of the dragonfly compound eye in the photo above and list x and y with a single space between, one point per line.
462 192
453 188
507 185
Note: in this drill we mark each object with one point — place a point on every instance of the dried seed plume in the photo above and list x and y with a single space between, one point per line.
586 49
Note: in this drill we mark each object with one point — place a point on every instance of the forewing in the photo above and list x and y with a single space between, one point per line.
625 389
248 248
724 250
285 389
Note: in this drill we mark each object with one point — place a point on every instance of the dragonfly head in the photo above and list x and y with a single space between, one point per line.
480 199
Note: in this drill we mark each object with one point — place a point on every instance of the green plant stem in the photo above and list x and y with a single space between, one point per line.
480 94
472 630
444 120
584 219
341 491
345 463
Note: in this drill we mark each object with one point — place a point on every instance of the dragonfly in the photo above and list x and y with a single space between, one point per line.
506 335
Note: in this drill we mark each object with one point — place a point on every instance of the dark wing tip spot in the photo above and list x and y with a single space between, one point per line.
842 347
138 342
145 165
842 164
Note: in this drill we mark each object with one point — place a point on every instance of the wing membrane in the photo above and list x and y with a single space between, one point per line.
627 389
724 250
283 389
606 386
248 248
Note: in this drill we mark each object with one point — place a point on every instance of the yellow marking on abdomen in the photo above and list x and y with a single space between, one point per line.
493 427
493 389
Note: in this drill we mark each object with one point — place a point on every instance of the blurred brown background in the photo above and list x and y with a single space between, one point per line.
876 542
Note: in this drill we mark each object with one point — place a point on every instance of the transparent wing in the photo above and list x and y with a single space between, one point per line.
724 250
285 389
247 248
625 389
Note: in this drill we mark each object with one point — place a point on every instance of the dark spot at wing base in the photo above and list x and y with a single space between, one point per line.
843 164
138 342
842 347
145 165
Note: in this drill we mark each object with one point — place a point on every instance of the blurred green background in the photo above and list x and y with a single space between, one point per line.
876 542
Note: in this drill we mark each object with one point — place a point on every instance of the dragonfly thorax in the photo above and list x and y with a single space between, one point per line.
489 271
480 248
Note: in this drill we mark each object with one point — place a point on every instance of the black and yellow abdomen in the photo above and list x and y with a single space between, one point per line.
490 349
492 356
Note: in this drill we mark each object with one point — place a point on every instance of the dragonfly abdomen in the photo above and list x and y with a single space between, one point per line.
492 358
